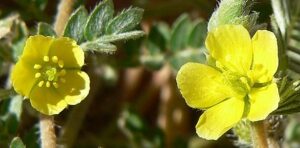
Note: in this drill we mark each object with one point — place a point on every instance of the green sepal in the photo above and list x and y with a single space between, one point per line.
236 12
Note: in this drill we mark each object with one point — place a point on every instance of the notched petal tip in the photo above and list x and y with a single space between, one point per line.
47 101
76 88
265 43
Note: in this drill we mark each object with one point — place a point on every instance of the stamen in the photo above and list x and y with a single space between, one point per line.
63 80
54 59
48 84
37 66
41 83
37 75
62 72
55 84
46 59
61 63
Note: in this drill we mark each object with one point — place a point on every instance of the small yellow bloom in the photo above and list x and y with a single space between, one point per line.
49 74
239 84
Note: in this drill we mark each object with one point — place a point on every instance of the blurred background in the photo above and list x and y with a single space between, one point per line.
134 100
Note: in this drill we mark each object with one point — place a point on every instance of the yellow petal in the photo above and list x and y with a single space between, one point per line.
263 101
218 119
265 51
202 86
67 50
47 100
230 45
36 47
23 72
75 88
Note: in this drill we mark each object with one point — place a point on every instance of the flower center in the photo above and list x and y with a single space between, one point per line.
239 83
51 72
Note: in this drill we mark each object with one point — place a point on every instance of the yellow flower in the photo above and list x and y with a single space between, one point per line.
239 84
49 74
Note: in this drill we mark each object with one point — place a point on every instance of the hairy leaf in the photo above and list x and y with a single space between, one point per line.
98 19
75 26
125 21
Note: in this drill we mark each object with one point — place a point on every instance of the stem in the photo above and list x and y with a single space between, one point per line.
65 8
259 135
48 137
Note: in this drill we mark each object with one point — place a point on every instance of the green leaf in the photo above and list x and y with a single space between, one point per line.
32 136
285 23
153 62
282 57
45 29
17 143
188 55
15 106
99 47
125 21
197 36
289 96
158 38
19 38
5 93
98 19
281 15
180 31
11 123
121 36
138 132
75 26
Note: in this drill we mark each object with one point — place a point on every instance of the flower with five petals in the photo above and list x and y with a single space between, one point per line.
49 74
239 83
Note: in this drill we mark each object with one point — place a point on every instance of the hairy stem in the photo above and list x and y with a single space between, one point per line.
259 135
48 138
65 8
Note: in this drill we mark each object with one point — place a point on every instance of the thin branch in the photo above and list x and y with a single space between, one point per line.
259 135
48 137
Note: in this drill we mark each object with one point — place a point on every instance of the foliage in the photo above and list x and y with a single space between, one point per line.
183 42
